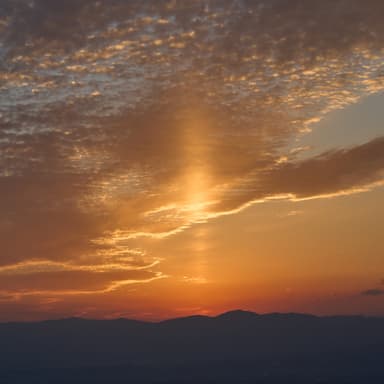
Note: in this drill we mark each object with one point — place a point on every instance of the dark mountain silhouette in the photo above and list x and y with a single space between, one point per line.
235 347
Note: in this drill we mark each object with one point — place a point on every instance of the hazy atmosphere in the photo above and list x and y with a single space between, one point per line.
166 158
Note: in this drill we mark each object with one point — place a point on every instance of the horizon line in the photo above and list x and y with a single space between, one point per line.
197 315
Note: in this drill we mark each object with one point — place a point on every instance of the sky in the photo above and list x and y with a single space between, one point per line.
166 158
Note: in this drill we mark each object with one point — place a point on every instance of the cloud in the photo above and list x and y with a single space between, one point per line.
137 119
373 292
332 172
338 171
71 282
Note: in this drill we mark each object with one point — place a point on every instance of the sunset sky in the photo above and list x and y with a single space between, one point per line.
167 158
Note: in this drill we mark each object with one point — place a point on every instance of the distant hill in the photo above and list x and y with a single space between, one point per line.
235 347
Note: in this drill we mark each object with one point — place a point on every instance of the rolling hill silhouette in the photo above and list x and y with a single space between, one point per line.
235 347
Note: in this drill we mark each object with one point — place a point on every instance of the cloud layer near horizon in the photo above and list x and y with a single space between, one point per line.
134 120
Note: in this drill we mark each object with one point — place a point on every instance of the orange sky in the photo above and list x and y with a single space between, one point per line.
162 159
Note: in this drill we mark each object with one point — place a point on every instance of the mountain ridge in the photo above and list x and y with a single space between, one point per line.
236 346
236 313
